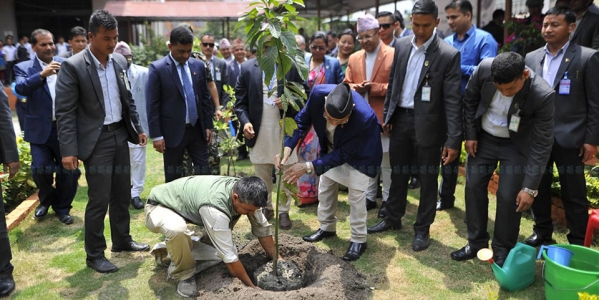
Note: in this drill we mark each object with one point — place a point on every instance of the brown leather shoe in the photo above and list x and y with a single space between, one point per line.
284 221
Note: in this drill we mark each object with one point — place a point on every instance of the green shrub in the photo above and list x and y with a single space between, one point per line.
17 189
152 49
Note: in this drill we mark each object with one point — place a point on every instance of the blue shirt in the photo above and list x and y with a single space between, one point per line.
414 68
110 90
476 46
551 63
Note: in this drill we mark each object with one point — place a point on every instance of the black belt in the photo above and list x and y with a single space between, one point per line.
152 202
406 111
112 127
485 133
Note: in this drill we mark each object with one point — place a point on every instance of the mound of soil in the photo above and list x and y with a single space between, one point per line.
325 275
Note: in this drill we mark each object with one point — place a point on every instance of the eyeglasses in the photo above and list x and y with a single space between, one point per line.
317 48
386 26
211 45
365 37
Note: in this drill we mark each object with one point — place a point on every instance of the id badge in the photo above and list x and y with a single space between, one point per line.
426 93
564 87
217 76
514 123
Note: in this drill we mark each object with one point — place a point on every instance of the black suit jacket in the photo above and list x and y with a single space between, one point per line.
577 114
80 104
220 66
586 31
249 96
8 144
165 100
534 101
438 121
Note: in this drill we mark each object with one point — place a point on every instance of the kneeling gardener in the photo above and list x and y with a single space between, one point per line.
216 202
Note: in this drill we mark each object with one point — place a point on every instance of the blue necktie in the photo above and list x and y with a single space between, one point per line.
192 110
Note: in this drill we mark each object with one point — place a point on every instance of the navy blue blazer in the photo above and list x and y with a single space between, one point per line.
358 142
165 100
38 117
332 69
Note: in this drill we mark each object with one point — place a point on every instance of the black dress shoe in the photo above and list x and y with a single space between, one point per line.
467 252
444 204
7 285
383 226
500 261
66 219
383 211
41 210
131 246
319 235
536 240
370 205
101 265
354 251
241 157
414 183
136 203
421 242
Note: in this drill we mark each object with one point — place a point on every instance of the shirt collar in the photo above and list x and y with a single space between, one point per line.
96 61
468 34
176 62
560 51
427 43
42 63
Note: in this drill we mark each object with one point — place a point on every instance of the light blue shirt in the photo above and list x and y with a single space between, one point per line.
110 90
414 68
551 63
476 46
186 67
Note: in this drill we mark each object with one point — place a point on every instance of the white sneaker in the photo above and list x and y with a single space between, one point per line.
188 287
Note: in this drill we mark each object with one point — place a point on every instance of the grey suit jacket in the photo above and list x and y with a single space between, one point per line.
80 105
8 144
577 114
220 65
586 31
534 101
438 121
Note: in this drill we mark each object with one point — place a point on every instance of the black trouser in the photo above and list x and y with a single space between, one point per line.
479 170
46 161
449 180
109 189
573 189
402 150
197 148
9 76
5 253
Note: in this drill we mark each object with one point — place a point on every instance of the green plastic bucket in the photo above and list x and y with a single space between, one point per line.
564 283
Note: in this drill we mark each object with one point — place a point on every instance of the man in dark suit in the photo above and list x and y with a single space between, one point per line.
253 108
564 64
96 116
508 115
233 71
179 107
587 24
351 154
36 79
217 66
423 113
77 41
9 157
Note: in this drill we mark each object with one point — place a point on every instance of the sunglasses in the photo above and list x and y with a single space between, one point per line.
211 45
385 26
318 48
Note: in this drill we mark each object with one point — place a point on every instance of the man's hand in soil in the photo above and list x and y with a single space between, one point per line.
237 270
269 245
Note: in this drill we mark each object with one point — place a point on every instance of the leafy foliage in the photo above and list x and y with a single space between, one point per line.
151 50
17 189
523 37
269 26
228 141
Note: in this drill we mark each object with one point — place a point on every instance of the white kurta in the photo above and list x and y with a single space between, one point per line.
345 174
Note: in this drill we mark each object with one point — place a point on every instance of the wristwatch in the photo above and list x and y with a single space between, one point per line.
531 192
308 168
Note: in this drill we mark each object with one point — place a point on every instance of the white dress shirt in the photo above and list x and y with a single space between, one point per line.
413 70
110 90
494 121
51 82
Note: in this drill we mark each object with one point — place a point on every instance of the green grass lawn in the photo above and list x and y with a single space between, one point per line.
49 257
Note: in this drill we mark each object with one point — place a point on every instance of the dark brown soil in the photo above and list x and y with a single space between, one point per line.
289 276
325 275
